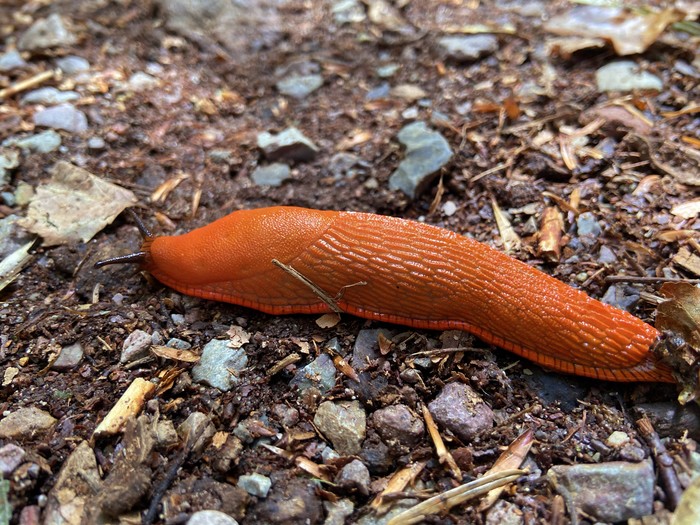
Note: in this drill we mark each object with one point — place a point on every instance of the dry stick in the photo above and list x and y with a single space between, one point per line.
636 279
330 301
669 479
28 83
444 455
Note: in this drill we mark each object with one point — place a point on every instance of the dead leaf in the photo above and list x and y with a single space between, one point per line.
175 354
74 205
511 241
238 336
681 313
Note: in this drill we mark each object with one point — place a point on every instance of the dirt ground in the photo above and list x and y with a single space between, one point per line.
518 121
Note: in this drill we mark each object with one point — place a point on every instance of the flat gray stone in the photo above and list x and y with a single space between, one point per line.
427 152
319 373
72 64
354 476
290 144
44 142
46 33
626 75
11 457
219 365
211 517
135 346
64 116
271 175
11 60
467 48
396 424
299 86
344 424
609 492
49 96
460 409
69 357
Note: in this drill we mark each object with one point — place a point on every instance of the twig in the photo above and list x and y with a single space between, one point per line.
638 279
669 479
444 455
314 288
27 83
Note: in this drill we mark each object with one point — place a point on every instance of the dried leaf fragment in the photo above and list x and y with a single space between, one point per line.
74 205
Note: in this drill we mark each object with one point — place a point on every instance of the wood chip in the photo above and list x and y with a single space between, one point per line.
687 210
128 407
687 260
549 246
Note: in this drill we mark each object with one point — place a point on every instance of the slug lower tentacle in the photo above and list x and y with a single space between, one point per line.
408 273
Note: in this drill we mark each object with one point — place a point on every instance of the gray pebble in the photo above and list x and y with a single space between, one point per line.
320 373
11 60
621 296
255 484
211 517
625 75
71 64
396 424
45 33
354 476
135 346
26 423
606 255
69 357
96 143
609 492
286 415
141 81
44 142
504 513
11 457
467 48
388 70
347 11
366 347
178 344
380 92
219 365
271 175
290 144
460 409
63 116
9 159
346 165
588 228
49 96
299 86
426 152
338 511
343 423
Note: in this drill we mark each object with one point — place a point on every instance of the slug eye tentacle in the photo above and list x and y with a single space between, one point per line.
139 257
132 258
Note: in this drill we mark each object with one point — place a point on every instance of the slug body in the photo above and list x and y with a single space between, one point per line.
408 273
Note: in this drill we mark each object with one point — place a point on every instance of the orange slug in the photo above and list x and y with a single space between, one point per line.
287 260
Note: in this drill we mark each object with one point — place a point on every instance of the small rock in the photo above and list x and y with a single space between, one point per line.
588 228
26 423
141 81
219 365
197 430
49 96
220 155
387 70
625 75
338 511
11 60
255 484
46 33
346 165
467 48
621 296
23 193
135 346
606 255
449 208
290 144
69 357
11 457
178 344
43 142
272 175
460 409
609 492
96 143
354 476
286 415
63 116
9 159
343 423
71 64
291 502
408 92
211 517
397 424
366 347
410 113
166 435
381 91
504 513
320 373
299 86
617 439
347 12
426 152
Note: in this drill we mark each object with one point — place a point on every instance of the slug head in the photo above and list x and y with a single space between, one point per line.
142 256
